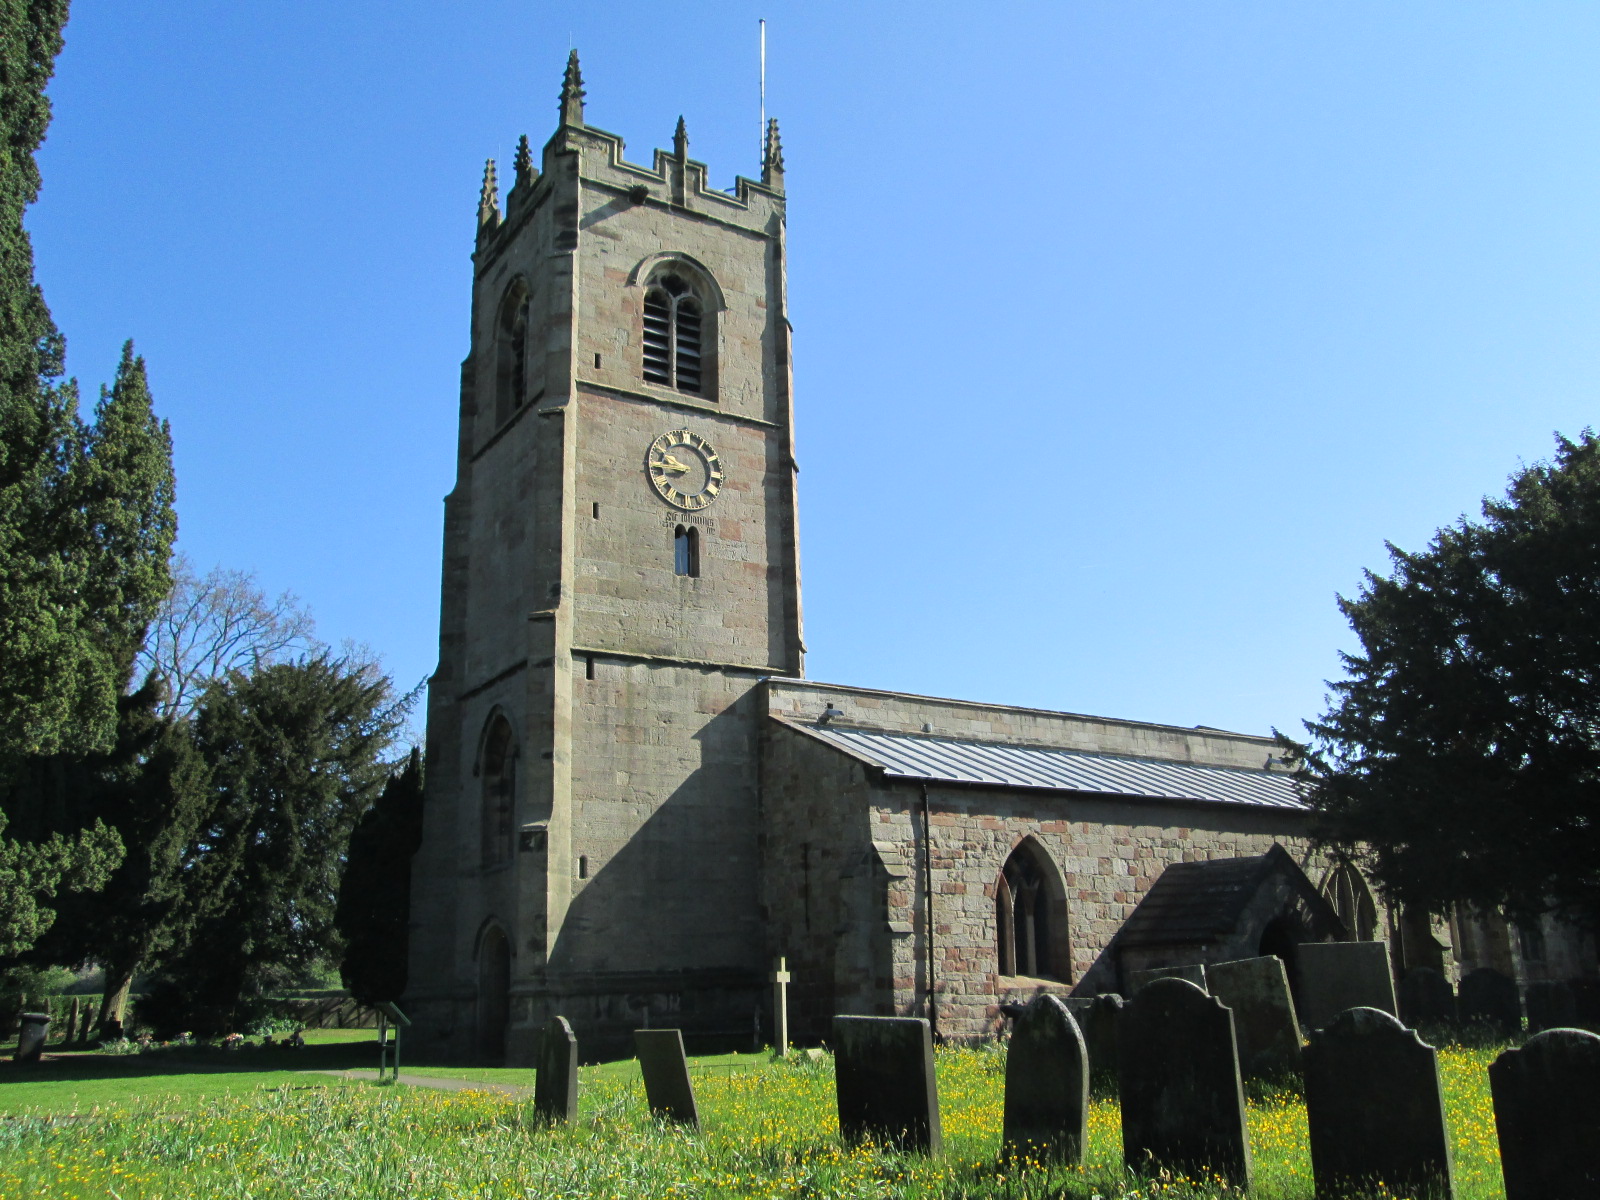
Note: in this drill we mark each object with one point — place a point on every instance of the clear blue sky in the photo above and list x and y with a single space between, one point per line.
1126 332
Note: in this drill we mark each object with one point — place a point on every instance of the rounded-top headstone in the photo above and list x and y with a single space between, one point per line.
1374 1109
1489 997
1426 998
1178 1082
1547 1113
1047 1084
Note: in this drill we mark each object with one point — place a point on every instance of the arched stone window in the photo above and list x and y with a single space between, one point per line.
677 327
511 353
1031 916
1345 889
686 551
499 782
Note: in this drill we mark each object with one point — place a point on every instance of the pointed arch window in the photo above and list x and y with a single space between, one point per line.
673 324
1031 917
512 361
1345 889
499 798
686 551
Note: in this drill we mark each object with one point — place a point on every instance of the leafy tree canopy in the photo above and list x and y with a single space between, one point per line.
1460 755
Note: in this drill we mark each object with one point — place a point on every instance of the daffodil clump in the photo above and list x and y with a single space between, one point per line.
767 1132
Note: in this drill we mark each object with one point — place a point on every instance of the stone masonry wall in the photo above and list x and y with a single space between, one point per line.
1107 851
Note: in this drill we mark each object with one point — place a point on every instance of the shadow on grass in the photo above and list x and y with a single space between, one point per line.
83 1065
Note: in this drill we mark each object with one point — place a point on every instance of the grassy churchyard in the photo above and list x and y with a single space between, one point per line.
267 1123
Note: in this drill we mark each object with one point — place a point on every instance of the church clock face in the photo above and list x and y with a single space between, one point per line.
684 470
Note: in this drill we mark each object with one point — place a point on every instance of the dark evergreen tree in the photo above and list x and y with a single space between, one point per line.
1461 754
152 789
295 754
374 908
86 523
32 874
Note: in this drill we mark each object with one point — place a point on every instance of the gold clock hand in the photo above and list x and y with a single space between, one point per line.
671 464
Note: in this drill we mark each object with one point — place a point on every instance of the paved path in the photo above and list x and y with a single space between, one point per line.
448 1085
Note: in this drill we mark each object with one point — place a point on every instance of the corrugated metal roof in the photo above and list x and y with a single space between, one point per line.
994 764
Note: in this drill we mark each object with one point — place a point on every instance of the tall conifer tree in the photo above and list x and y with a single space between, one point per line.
374 911
86 529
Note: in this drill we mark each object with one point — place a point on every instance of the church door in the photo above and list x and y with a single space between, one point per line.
494 995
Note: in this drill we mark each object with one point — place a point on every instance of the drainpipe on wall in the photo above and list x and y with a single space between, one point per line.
927 914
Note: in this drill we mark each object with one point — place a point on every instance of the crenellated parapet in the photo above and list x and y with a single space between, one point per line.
672 179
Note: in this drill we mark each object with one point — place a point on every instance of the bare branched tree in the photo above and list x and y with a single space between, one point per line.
219 622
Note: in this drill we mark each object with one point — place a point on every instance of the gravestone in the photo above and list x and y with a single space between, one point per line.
1195 973
1097 1021
1375 1110
1550 1004
666 1075
1490 998
1585 1000
1047 1085
1178 1081
1335 976
1547 1113
1264 1025
883 1076
72 1022
1426 998
30 1041
555 1087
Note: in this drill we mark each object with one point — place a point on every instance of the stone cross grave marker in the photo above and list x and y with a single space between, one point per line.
1195 973
1257 990
1178 1081
1547 1114
1335 976
1375 1109
1047 1085
555 1087
883 1072
1490 998
1426 998
666 1075
1550 1005
780 1004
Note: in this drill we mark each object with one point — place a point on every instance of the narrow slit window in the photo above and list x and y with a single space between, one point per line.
588 666
519 357
672 336
596 510
686 551
583 866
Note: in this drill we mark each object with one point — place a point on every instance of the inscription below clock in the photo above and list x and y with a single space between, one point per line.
684 470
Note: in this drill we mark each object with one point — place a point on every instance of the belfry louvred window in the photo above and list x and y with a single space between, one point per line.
672 325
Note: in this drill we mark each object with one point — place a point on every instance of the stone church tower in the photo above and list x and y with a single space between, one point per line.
620 569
